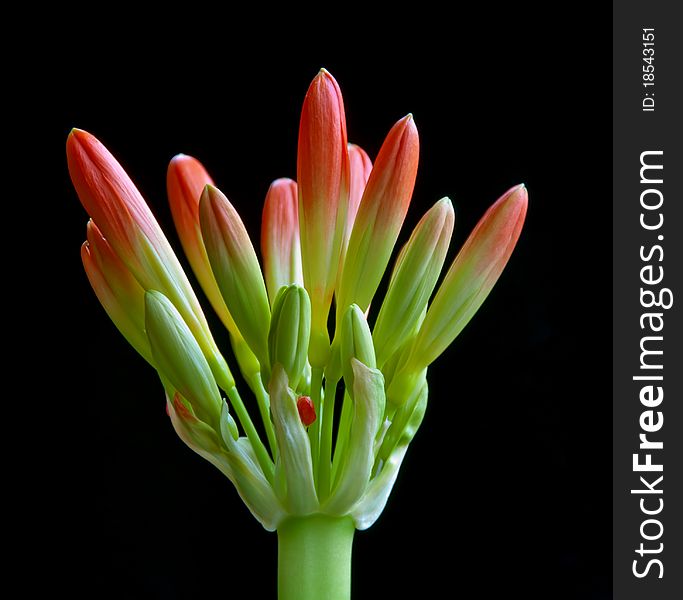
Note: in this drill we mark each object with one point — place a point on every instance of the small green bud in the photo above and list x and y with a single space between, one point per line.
355 342
179 359
290 332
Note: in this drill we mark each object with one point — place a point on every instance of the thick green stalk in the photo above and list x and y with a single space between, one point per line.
314 558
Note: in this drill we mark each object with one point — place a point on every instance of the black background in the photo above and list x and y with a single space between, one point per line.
506 487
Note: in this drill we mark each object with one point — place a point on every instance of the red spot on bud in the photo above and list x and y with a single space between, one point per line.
181 410
306 410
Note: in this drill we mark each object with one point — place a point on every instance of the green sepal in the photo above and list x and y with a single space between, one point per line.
356 468
371 505
294 464
233 457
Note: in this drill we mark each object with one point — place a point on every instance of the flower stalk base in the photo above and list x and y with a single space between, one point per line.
314 558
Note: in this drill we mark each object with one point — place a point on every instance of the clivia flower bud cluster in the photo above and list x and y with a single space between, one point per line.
326 241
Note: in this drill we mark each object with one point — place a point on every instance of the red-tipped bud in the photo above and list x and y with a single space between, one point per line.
128 225
236 269
323 178
280 237
380 216
360 167
471 277
186 180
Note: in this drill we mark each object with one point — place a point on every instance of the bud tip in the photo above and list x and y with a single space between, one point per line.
306 410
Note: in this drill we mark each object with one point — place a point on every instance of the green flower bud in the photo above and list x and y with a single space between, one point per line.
380 216
412 282
355 342
471 277
236 269
290 332
117 290
179 359
398 359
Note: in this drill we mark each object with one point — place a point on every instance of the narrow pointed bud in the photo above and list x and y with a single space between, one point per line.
290 329
185 181
280 244
117 290
112 200
179 359
304 405
380 216
360 167
355 343
323 178
471 277
417 270
114 203
236 269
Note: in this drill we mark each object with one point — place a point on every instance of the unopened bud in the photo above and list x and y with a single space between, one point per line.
179 359
290 332
304 405
356 342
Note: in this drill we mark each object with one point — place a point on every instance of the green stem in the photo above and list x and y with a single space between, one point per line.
314 558
343 432
314 429
326 441
263 401
260 451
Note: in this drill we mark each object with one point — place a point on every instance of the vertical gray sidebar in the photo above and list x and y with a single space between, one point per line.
648 300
